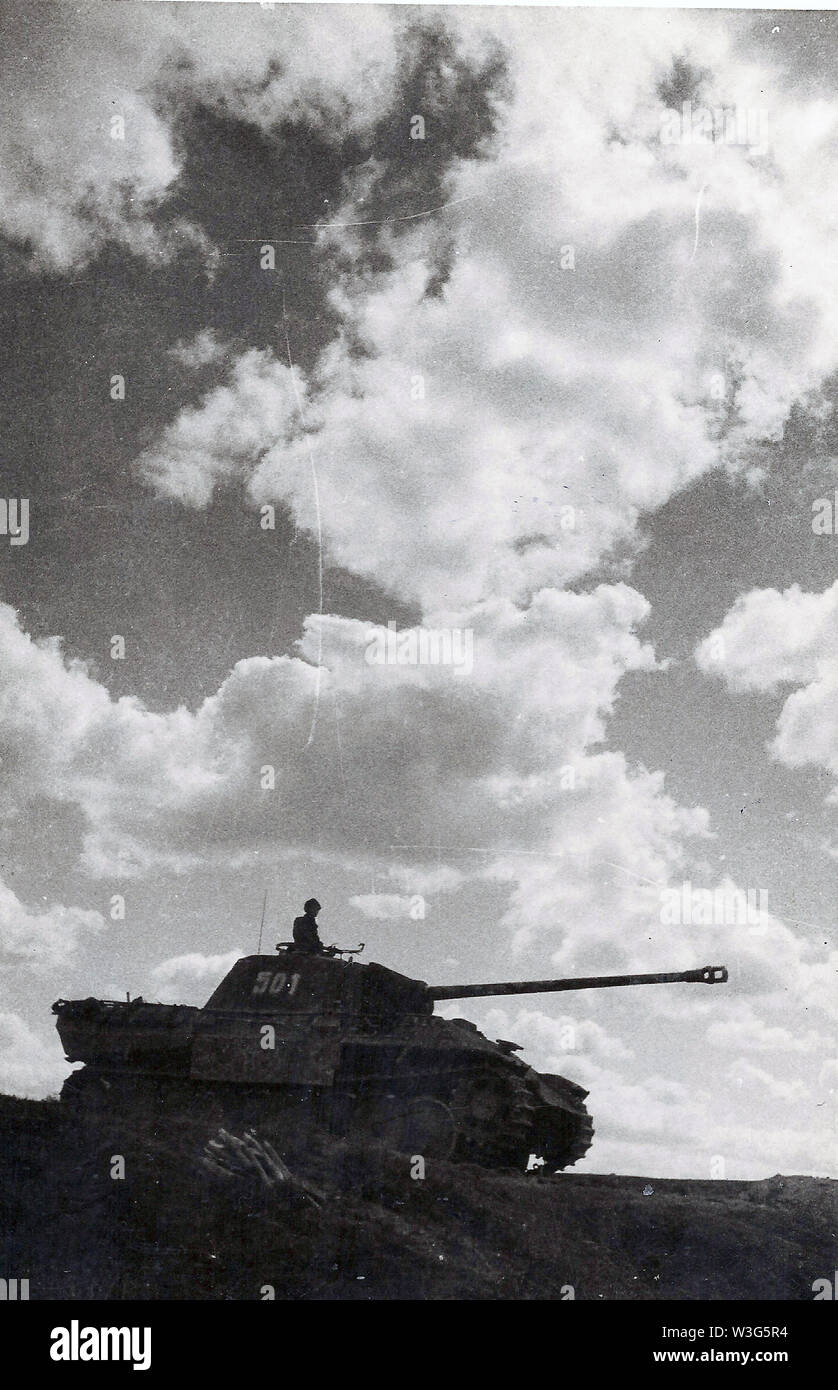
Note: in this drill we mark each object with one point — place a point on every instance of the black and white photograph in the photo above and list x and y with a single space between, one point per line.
418 664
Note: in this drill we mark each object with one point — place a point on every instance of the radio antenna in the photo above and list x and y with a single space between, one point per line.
262 923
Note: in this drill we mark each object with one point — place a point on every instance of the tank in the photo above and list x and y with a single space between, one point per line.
294 1039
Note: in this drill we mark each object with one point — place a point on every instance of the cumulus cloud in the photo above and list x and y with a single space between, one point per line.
554 1042
387 907
201 351
67 185
693 1141
743 1073
769 960
772 639
184 979
28 1066
555 355
580 843
209 444
72 177
746 1031
177 787
41 938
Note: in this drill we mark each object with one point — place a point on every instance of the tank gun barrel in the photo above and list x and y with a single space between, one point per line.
706 974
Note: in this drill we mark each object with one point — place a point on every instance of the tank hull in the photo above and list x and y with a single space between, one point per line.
136 1036
338 1054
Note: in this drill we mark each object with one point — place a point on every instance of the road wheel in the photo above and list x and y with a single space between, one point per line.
415 1125
493 1116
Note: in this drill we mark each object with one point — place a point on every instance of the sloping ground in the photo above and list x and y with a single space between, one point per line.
170 1229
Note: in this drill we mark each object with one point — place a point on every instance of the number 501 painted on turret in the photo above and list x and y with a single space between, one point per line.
269 983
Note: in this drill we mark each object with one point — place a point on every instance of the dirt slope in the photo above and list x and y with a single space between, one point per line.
170 1229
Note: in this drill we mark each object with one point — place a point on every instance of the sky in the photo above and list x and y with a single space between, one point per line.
514 327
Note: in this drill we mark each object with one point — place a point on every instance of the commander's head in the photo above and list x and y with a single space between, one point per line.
311 908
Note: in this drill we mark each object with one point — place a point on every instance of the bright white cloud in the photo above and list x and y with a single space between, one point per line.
202 350
387 907
28 1065
177 788
582 844
770 640
211 443
184 979
554 1042
746 1031
502 434
70 179
743 1073
45 937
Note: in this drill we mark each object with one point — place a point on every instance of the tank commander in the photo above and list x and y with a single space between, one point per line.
305 929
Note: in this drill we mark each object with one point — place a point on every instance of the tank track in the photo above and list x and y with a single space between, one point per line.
495 1118
494 1115
564 1131
480 1114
